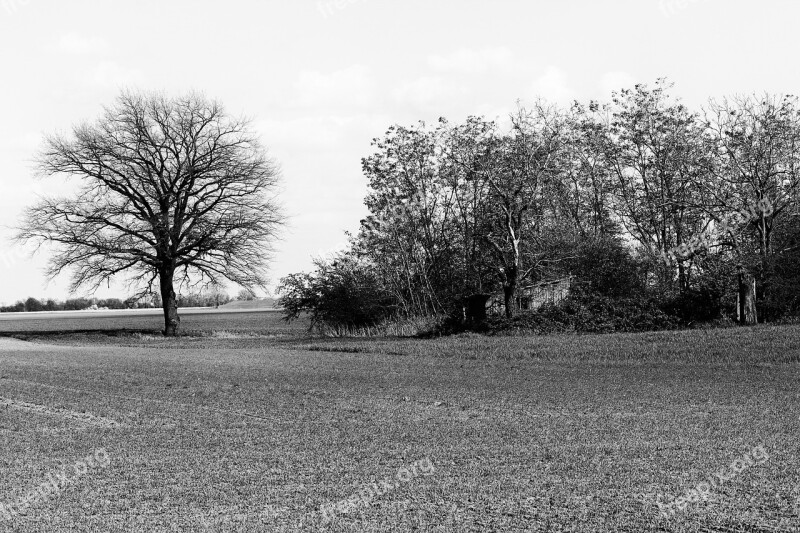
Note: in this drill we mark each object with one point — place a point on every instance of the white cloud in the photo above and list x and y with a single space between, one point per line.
316 131
471 61
425 91
297 134
77 44
552 86
109 74
614 81
352 86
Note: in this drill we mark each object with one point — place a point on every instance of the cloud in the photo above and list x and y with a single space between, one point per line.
471 61
552 86
315 131
614 81
109 74
76 44
320 132
425 91
352 86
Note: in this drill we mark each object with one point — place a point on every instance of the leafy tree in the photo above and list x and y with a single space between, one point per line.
757 173
77 304
408 235
519 169
246 295
656 153
585 192
32 305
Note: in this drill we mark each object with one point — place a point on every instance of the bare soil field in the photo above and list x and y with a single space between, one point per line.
249 427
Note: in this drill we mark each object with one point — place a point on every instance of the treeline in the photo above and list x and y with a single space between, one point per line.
80 304
659 211
73 304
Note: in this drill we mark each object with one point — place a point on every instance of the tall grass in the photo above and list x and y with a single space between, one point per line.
406 327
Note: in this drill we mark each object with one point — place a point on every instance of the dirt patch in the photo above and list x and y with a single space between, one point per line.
85 419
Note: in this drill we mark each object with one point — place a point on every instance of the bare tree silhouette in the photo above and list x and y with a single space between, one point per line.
170 189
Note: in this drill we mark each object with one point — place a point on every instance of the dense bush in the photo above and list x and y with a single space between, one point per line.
701 304
588 313
780 298
608 294
343 293
604 266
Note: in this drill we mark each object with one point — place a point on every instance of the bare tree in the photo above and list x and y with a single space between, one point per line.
171 189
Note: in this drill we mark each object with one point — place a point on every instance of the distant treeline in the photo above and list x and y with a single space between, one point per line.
79 304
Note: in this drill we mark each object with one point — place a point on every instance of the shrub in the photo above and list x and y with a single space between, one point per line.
604 266
595 313
701 304
586 313
343 293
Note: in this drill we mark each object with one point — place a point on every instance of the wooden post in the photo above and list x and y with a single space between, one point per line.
746 299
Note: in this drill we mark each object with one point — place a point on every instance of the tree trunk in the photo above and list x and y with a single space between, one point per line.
170 303
746 300
510 291
682 283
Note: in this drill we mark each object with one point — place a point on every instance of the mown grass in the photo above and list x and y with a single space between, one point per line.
243 432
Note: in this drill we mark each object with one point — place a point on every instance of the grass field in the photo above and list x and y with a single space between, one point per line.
193 321
253 426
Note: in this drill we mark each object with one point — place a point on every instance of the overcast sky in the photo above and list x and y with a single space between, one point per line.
322 78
